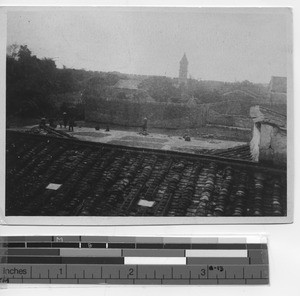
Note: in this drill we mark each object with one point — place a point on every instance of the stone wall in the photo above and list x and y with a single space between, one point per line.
269 141
164 115
273 144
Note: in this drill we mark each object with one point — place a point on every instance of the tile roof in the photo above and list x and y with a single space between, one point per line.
47 130
108 180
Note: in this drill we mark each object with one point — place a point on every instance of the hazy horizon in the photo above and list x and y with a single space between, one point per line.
221 45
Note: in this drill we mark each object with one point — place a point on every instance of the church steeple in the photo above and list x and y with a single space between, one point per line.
183 70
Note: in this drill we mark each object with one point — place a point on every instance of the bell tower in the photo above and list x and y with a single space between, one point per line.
183 70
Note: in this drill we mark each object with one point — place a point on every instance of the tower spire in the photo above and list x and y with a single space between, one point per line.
183 70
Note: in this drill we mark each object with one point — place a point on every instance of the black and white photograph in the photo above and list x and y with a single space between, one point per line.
145 115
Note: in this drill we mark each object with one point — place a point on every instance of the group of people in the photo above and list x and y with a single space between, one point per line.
64 120
67 119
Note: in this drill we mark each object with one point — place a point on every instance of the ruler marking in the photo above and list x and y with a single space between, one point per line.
186 275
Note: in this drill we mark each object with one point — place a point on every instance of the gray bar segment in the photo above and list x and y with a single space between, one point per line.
15 281
204 282
36 281
227 260
204 240
175 282
149 240
86 252
153 253
232 282
91 281
258 256
64 281
257 281
147 282
64 239
94 239
10 239
119 282
121 239
176 240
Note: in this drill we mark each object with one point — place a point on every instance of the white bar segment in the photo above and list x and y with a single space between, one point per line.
155 260
216 253
257 240
232 240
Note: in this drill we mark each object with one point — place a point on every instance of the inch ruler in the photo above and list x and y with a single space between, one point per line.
134 260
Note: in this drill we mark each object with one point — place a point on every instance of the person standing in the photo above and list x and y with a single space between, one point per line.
65 119
145 124
71 124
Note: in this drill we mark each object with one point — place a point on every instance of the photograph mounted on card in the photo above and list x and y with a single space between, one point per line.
146 115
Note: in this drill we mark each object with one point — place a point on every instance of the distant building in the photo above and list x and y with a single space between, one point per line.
183 70
278 90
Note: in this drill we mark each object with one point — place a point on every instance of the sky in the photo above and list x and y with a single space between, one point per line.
223 45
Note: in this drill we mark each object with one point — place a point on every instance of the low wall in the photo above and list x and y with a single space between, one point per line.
163 115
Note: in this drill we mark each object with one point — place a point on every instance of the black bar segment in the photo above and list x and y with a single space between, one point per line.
219 246
34 260
177 246
149 246
38 245
14 245
257 246
121 245
65 245
92 260
93 245
217 260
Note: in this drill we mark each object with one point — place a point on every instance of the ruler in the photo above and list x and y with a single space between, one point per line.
133 260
